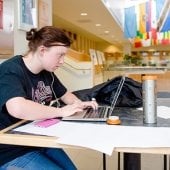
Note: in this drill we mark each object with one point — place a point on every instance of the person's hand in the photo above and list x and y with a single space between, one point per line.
93 104
71 109
78 106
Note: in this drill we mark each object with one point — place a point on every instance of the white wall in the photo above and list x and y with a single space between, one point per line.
75 75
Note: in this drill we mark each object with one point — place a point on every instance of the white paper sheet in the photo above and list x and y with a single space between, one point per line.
58 130
93 136
106 138
162 112
103 137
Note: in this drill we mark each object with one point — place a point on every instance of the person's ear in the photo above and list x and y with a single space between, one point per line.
42 49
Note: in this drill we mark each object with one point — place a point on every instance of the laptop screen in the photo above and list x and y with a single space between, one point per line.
116 94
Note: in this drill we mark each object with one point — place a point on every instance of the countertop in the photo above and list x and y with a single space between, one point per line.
139 69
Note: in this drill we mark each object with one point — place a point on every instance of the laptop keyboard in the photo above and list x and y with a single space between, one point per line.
102 112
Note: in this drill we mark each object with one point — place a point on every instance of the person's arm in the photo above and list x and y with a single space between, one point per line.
70 98
22 108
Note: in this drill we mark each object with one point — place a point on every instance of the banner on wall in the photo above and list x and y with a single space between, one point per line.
93 56
1 14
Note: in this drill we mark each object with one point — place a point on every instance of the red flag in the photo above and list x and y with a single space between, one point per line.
154 33
137 42
165 39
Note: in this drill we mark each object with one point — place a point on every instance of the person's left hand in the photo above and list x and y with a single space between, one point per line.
93 104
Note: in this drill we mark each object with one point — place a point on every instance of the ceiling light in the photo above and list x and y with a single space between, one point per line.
106 32
98 25
83 14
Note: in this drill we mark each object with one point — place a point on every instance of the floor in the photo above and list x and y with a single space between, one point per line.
86 159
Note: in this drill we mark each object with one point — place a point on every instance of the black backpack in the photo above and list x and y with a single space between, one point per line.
130 95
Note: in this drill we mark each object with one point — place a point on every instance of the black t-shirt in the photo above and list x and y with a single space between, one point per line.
17 81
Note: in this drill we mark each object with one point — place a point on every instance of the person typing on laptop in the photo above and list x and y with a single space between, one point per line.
27 88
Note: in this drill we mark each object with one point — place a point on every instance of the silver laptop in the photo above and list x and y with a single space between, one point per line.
102 113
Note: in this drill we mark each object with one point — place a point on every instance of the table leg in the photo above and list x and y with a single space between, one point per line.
132 161
165 162
104 161
118 166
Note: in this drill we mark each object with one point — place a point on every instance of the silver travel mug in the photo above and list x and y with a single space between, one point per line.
149 99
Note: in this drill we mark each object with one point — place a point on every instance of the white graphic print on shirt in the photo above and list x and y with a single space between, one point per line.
42 94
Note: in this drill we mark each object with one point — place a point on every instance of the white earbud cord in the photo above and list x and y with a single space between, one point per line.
56 99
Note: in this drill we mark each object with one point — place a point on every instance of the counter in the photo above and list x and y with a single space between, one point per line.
135 72
111 68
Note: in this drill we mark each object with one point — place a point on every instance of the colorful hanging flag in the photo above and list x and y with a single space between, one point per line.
146 42
148 16
166 39
142 17
137 42
166 24
141 24
159 7
153 20
130 26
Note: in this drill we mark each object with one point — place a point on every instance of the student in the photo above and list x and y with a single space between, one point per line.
27 87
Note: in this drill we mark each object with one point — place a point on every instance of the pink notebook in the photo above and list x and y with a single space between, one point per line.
47 122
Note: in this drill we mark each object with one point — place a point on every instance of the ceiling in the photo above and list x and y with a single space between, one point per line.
70 10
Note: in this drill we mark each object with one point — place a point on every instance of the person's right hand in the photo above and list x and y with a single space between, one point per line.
71 109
